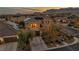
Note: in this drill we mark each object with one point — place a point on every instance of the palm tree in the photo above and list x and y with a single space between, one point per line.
23 40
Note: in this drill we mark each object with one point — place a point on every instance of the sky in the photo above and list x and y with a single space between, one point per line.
39 3
51 4
45 8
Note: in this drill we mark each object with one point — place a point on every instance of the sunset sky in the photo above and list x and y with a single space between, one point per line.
44 8
14 10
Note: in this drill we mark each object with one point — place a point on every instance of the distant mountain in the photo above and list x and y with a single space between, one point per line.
29 10
23 10
63 10
14 10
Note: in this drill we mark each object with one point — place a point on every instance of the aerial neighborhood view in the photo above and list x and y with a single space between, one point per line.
39 29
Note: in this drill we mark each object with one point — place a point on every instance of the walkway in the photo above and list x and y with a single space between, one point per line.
37 44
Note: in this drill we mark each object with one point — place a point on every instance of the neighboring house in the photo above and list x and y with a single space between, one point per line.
76 23
14 25
62 20
27 19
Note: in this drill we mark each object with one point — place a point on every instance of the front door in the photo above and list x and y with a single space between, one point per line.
37 33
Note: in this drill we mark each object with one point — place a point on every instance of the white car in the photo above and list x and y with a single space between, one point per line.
27 19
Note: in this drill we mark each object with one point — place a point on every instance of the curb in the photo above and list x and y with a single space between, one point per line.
76 41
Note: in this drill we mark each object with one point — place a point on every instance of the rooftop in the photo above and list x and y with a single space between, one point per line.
6 30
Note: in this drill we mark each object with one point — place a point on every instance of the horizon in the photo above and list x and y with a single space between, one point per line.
28 10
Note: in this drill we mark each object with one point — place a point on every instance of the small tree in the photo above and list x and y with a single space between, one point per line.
22 24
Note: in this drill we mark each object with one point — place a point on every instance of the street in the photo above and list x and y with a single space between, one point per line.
70 31
74 47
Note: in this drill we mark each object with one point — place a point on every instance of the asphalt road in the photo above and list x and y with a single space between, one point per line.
73 32
74 47
70 30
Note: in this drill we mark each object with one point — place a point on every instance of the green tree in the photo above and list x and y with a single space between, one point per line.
23 40
22 24
72 16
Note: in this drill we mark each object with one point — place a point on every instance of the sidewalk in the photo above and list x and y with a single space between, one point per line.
9 46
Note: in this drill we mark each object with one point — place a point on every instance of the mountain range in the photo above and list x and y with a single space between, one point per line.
63 10
30 10
14 10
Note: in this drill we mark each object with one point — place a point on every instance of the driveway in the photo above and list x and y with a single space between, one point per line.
37 44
